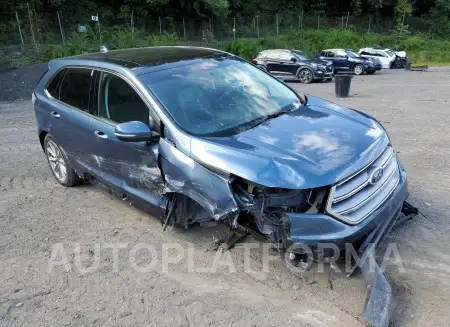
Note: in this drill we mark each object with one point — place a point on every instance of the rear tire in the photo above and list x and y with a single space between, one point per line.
358 69
305 76
59 164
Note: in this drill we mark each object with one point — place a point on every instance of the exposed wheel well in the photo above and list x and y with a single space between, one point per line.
42 136
186 210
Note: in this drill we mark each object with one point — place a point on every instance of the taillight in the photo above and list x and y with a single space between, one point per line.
253 61
33 98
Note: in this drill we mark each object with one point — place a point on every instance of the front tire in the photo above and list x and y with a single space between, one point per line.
358 69
305 76
59 164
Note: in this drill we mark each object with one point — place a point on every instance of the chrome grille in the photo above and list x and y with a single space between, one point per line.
355 198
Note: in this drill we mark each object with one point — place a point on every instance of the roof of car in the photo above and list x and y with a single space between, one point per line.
267 50
137 58
337 49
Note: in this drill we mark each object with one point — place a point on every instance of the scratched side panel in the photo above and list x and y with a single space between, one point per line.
186 176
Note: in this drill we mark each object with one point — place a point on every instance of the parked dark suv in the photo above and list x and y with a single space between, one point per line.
346 60
293 63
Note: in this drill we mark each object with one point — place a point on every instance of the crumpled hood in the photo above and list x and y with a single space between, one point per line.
319 144
401 54
360 59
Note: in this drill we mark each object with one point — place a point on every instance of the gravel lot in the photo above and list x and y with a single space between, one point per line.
40 221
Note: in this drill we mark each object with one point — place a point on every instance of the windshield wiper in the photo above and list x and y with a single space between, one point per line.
269 117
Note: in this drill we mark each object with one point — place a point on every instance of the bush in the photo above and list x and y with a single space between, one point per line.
419 48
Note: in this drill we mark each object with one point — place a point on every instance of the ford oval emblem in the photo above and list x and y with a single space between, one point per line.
376 175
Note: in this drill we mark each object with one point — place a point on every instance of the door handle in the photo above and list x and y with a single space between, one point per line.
55 114
100 134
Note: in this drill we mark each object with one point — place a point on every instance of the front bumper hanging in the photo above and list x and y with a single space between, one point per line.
377 309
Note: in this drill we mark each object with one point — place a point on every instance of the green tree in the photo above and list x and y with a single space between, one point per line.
438 18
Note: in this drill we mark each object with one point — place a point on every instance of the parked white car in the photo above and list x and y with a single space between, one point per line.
386 56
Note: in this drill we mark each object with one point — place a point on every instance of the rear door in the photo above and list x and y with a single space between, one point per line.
129 168
329 56
69 104
273 61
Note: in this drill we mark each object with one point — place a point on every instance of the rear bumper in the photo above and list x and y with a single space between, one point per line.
312 229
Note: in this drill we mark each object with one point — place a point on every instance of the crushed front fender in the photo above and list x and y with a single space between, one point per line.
186 176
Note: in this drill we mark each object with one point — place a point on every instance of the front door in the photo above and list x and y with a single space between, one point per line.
287 66
342 60
129 168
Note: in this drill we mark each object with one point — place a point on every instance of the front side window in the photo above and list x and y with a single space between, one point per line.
75 88
286 55
341 54
219 97
329 54
119 102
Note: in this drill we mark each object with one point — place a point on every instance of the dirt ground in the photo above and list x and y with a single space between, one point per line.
43 224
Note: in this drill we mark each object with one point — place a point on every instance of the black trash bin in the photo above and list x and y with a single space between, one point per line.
342 85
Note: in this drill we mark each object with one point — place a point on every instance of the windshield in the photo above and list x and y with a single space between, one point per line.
352 54
390 53
300 55
219 97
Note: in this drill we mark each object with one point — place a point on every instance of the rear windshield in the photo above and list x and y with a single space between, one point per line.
220 96
390 52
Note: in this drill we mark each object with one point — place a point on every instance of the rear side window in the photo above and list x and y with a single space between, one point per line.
75 88
53 87
262 54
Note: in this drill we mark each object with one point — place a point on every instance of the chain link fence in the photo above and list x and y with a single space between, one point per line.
26 30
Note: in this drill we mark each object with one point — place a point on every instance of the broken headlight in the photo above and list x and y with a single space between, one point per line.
252 196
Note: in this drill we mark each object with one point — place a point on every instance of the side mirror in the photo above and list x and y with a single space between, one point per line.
133 131
293 59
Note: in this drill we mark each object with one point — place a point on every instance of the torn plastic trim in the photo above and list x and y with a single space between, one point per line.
186 176
377 309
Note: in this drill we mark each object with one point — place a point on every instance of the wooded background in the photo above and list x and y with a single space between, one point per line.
52 20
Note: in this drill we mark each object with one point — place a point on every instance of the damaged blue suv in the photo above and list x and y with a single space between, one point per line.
193 134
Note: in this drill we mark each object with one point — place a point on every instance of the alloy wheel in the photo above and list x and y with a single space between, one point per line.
305 76
358 70
56 160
